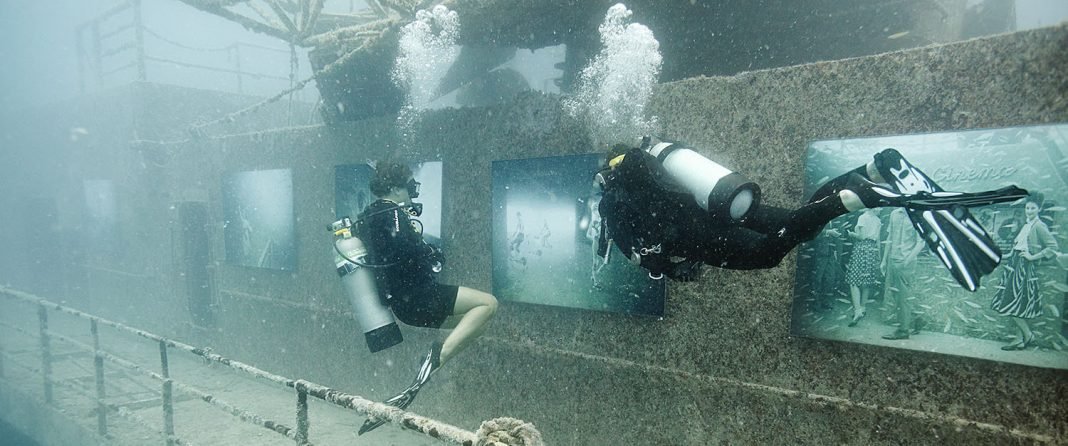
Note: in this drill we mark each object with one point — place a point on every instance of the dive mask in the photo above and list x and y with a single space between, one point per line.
413 188
415 209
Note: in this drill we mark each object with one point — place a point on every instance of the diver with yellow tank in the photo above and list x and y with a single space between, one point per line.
388 269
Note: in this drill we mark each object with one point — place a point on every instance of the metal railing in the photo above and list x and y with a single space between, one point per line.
499 432
103 42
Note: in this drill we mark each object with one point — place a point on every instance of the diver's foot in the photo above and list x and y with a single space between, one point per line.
869 194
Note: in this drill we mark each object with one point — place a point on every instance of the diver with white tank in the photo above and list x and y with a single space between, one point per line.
671 210
388 269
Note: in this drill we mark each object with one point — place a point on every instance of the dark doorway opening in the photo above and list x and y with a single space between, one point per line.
195 261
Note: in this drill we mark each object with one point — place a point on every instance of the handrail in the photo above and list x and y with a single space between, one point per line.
95 58
427 426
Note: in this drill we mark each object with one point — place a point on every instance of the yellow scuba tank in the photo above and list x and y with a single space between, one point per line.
375 319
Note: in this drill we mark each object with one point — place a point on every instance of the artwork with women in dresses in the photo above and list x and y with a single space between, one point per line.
869 277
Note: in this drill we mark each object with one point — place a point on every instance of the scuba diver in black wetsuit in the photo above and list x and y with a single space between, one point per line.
406 269
670 210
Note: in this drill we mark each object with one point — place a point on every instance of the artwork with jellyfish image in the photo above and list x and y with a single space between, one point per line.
352 194
545 226
259 223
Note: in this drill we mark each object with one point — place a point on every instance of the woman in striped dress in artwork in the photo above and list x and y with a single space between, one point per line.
1019 296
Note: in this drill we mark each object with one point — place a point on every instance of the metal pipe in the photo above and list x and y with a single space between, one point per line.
118 49
116 70
115 10
302 417
98 365
79 46
139 37
98 65
2 354
168 398
407 420
116 31
221 70
46 352
236 51
237 412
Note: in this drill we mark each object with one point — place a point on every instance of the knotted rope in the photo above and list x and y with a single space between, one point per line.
509 431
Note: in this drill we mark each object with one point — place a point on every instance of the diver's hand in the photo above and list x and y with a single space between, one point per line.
436 258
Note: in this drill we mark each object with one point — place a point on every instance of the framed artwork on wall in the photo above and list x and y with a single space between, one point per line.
100 221
545 222
895 292
259 222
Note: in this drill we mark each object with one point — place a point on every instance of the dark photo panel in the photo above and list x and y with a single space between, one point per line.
259 219
875 260
100 220
352 193
545 222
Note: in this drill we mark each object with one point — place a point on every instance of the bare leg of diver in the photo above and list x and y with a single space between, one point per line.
472 312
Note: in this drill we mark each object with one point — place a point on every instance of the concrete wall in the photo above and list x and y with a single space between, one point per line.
718 368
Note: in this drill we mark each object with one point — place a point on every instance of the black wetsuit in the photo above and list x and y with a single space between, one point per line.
409 280
647 215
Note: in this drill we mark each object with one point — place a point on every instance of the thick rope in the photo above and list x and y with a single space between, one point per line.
509 431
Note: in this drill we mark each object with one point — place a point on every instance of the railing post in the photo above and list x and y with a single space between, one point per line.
98 58
79 45
1 360
168 404
302 416
98 365
139 33
46 352
237 67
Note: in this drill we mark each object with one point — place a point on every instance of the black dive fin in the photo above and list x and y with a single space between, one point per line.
959 242
952 233
431 363
400 401
943 200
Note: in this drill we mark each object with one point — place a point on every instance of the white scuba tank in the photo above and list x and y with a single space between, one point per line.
376 320
725 194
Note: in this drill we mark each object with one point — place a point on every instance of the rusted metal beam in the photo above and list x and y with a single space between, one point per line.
407 420
283 16
250 24
46 351
98 367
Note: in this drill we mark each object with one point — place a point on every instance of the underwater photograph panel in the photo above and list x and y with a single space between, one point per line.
100 220
896 292
545 223
352 193
259 229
